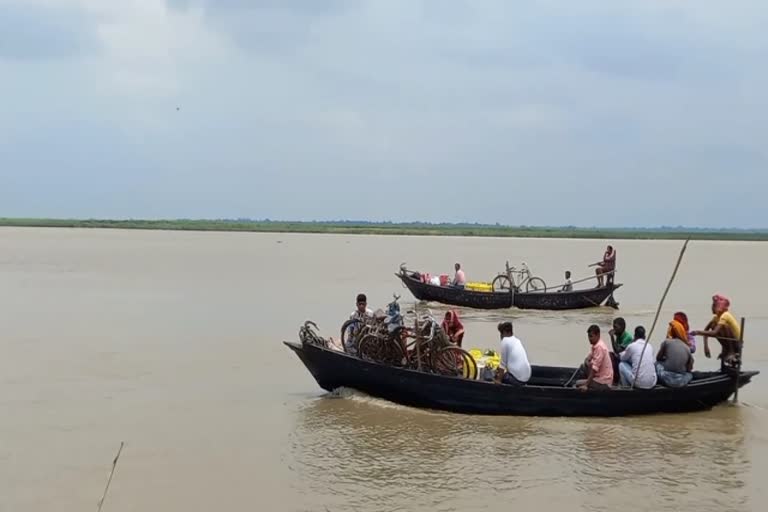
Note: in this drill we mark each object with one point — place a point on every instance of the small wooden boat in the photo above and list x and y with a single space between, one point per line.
551 300
544 395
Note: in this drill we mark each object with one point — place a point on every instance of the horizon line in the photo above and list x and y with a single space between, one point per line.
497 225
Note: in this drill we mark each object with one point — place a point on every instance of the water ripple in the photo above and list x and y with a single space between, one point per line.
357 450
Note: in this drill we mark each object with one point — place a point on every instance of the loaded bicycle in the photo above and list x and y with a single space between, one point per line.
515 280
426 347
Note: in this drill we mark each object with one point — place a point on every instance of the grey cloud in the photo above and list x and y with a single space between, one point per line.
272 26
305 7
574 109
36 32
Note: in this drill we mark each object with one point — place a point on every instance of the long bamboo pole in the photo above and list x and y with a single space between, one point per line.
111 473
738 365
658 310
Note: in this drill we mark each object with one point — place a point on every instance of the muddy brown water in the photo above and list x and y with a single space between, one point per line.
171 342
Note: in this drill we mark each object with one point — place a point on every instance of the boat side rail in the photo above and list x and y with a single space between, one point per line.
585 279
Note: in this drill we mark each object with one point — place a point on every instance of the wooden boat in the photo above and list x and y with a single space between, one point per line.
551 300
544 395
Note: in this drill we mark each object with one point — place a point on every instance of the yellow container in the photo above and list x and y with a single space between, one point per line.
479 287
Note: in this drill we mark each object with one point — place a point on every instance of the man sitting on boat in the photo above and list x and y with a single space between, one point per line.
598 364
725 328
514 368
637 360
674 362
568 285
459 280
453 327
620 340
607 266
620 337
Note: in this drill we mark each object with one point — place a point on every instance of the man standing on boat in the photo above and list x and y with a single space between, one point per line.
362 313
514 367
459 280
607 266
598 364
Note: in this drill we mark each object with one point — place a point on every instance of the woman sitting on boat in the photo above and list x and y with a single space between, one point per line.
680 330
674 362
453 327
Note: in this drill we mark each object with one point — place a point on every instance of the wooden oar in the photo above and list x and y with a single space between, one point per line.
658 310
572 376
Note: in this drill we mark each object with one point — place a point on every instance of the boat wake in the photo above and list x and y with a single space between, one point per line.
359 397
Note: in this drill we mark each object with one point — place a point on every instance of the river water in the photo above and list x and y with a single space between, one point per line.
171 342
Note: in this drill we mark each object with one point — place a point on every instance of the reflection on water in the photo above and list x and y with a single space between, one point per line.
601 315
352 450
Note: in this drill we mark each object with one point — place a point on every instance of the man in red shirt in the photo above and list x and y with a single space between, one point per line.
607 266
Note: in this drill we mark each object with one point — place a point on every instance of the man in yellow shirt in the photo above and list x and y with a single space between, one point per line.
725 328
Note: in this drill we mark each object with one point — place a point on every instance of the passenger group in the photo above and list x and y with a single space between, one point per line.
631 361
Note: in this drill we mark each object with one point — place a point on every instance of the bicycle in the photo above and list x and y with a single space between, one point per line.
514 280
432 351
308 336
354 330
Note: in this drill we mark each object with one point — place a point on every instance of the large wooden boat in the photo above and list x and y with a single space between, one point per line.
552 300
545 394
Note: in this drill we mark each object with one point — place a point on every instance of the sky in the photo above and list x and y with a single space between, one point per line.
588 113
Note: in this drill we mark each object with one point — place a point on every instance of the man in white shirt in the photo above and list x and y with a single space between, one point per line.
514 367
362 313
568 285
459 279
632 365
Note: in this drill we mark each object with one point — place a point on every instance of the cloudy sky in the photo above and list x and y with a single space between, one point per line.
634 113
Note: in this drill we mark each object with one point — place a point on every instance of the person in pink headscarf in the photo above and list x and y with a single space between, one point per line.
453 327
725 328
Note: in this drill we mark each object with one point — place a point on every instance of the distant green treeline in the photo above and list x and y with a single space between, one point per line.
390 228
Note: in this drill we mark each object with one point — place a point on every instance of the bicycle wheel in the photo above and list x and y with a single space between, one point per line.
501 283
535 284
456 362
391 352
369 348
349 330
418 358
380 350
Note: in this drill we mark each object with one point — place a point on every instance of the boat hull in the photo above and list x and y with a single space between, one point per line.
577 299
544 396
